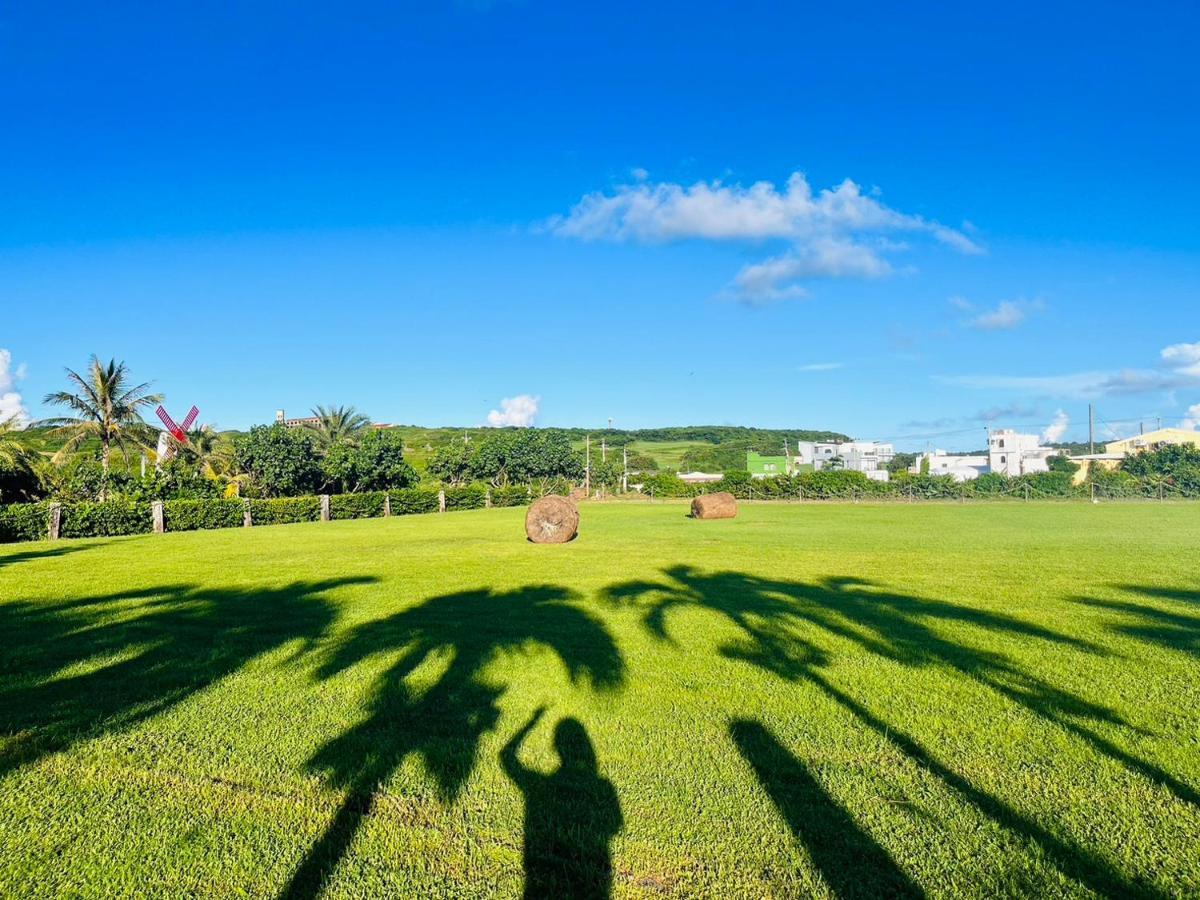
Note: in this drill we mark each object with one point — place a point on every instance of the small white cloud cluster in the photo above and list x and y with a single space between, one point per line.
1183 358
836 233
520 411
1007 314
1192 421
11 405
1057 428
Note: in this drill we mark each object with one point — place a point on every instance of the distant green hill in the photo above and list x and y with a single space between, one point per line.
710 448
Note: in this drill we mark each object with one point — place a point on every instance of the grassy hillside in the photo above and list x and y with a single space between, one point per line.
802 701
715 447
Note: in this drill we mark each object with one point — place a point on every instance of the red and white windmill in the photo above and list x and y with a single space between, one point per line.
167 448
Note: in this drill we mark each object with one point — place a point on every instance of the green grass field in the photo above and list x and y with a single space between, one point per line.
807 700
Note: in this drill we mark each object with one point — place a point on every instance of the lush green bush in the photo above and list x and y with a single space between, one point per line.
357 506
413 500
374 462
192 515
284 510
511 495
280 461
471 496
667 484
24 522
112 517
522 455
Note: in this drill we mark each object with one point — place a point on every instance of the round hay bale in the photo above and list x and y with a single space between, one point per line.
551 520
721 505
578 493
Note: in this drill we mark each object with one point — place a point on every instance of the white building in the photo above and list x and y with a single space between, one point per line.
1009 453
869 457
1015 454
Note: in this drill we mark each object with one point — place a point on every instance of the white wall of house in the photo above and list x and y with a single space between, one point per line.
1013 453
857 456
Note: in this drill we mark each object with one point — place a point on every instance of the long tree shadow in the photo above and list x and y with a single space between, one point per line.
75 669
20 556
571 816
1176 629
775 619
851 862
442 724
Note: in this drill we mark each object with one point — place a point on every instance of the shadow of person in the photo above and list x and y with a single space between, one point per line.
444 723
849 859
571 816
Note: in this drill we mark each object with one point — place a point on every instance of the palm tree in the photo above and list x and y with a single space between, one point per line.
14 454
213 455
105 407
338 423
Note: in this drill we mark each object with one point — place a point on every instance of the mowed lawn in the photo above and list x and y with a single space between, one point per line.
842 700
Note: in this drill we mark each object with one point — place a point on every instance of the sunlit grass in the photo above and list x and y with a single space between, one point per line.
853 700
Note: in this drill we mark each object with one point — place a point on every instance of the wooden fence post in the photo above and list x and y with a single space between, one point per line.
247 519
156 509
324 507
54 525
441 501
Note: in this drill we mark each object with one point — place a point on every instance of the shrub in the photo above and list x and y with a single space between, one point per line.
192 515
668 484
375 462
472 496
413 500
24 522
511 495
280 461
284 510
110 518
357 506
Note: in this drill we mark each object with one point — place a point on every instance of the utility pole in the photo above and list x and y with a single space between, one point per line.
625 472
1159 425
603 449
1091 428
587 465
1141 427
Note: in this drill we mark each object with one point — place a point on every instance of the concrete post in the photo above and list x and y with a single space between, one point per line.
55 522
247 521
157 509
324 507
441 501
387 505
487 499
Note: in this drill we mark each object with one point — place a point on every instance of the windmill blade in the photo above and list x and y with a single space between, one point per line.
190 419
166 420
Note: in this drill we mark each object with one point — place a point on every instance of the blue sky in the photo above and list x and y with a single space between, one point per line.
903 223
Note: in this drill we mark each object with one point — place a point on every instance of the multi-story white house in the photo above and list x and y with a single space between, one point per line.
1009 453
869 457
1015 454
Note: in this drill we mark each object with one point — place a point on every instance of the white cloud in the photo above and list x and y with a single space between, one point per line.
820 367
520 410
1057 428
1192 421
1006 315
1183 358
11 405
830 231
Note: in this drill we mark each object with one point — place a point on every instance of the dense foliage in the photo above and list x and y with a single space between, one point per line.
281 461
374 462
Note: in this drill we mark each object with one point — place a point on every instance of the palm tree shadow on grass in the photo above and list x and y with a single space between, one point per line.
1175 627
20 556
774 616
850 861
444 724
76 669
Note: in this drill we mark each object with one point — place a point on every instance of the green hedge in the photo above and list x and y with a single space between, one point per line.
285 510
357 506
471 496
113 517
510 495
409 501
192 515
24 522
